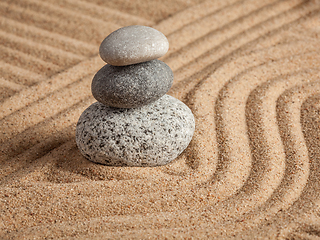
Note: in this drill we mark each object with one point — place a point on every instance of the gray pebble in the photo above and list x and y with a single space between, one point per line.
133 44
132 86
152 135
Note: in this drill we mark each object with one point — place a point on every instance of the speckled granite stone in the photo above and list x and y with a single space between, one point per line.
132 86
152 135
133 44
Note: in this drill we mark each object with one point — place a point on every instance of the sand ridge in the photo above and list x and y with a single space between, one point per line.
249 70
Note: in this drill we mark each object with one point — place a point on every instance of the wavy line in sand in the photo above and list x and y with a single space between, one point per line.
305 211
237 25
265 160
5 146
204 98
194 72
138 200
154 222
252 204
298 129
216 23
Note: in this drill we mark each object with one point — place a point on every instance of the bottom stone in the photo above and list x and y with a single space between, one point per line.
152 135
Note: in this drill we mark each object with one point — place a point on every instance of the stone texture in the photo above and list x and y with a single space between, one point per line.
132 86
152 135
133 44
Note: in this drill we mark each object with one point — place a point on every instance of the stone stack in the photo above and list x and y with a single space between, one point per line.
134 122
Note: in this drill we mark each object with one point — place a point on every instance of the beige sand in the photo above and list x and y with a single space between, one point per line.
248 69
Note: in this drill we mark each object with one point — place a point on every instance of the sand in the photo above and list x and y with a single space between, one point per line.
250 72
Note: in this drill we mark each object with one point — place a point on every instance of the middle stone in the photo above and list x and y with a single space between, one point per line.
133 85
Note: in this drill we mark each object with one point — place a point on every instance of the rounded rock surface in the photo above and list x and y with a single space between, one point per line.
133 44
132 86
149 136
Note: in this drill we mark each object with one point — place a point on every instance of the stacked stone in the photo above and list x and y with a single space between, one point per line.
134 122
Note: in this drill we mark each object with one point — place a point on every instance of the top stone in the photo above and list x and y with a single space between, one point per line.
133 44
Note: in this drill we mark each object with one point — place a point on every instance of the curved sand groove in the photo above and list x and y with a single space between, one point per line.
80 198
290 49
306 209
296 154
297 189
213 23
229 31
297 104
252 196
206 166
296 172
119 226
266 146
207 94
307 227
214 57
190 84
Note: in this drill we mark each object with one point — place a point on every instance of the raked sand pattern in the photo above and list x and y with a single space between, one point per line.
250 72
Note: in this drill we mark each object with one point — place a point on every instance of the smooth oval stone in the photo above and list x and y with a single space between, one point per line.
132 86
133 44
152 135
